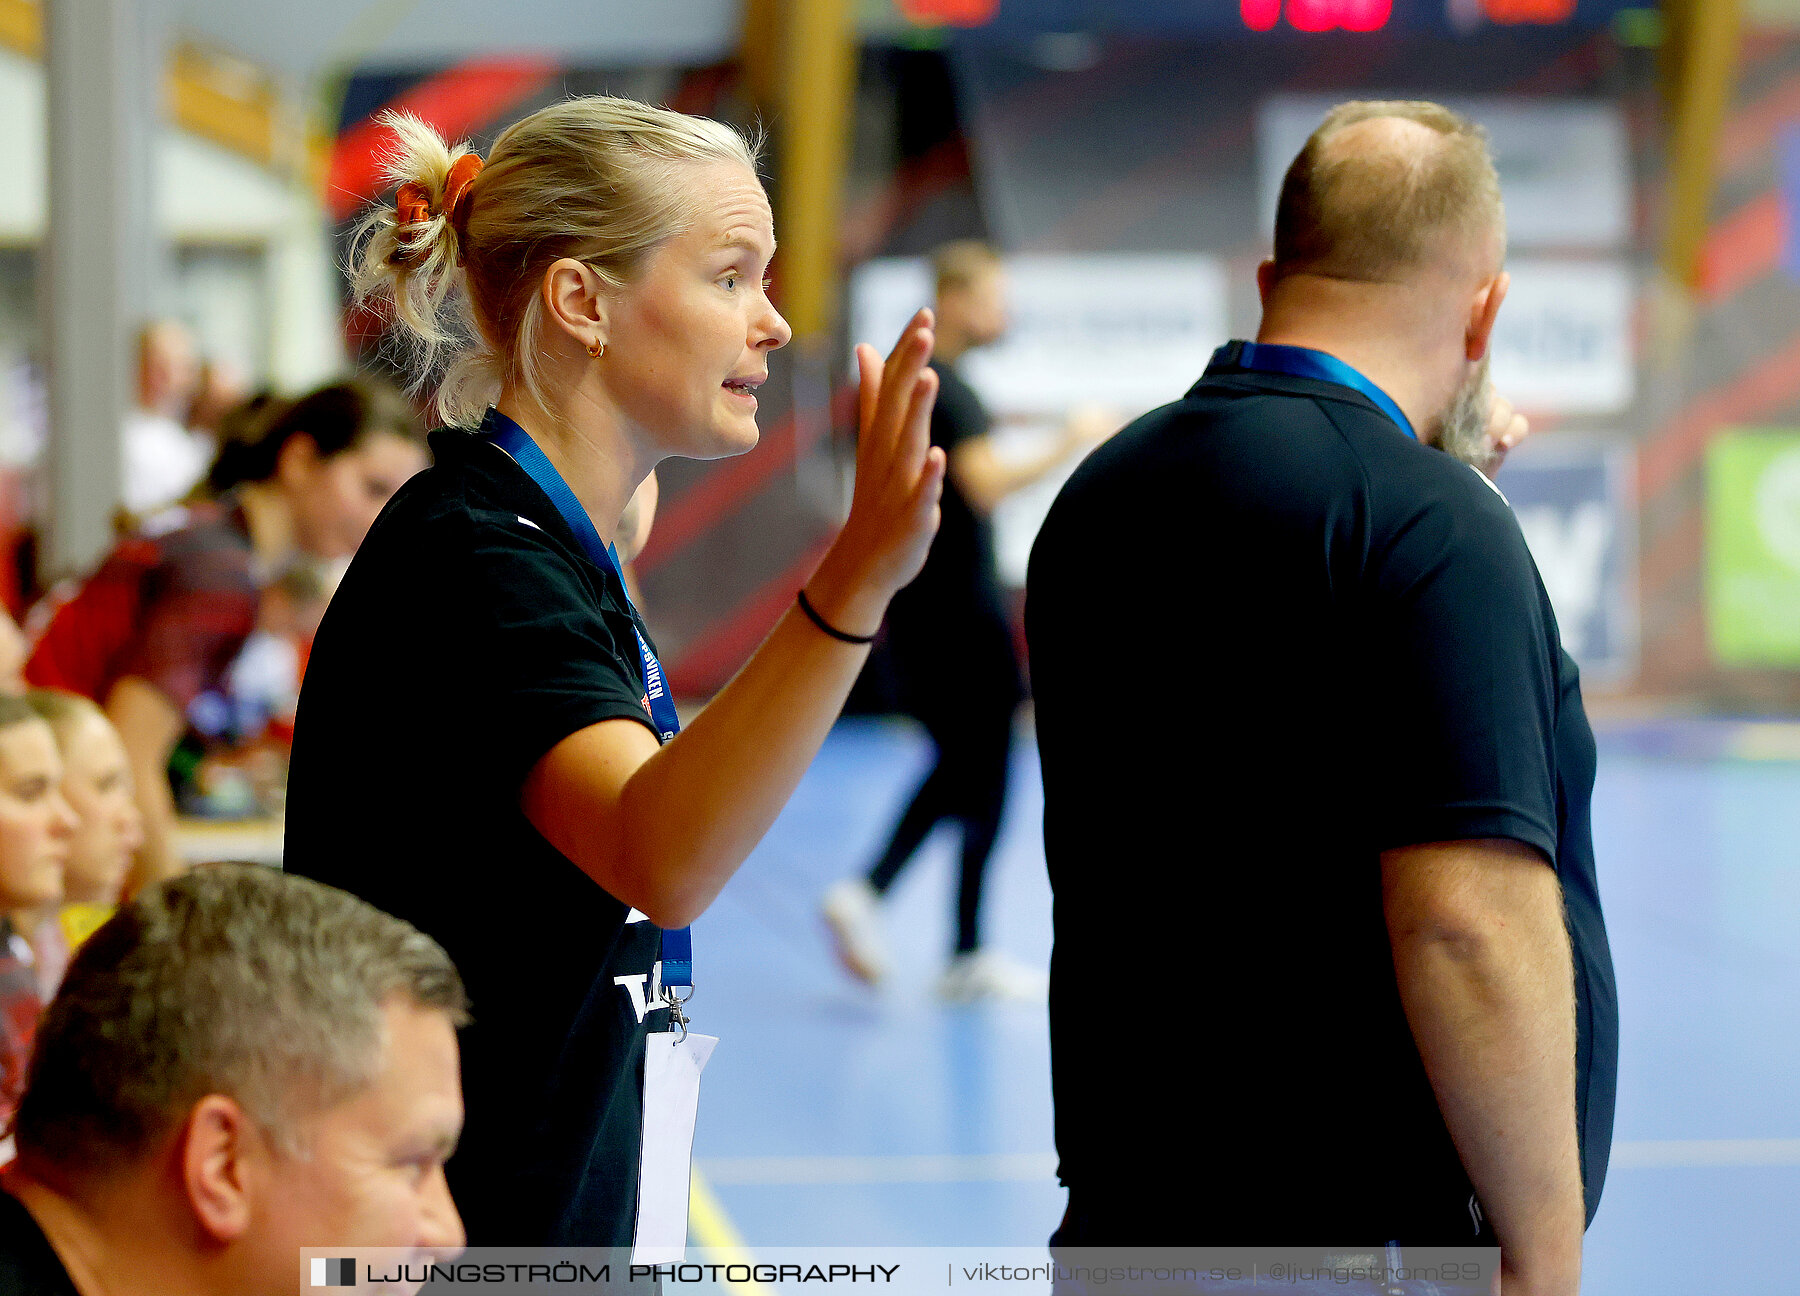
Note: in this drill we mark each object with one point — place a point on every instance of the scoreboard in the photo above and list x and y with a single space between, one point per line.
1249 17
1373 15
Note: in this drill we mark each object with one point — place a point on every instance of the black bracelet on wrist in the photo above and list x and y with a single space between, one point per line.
812 614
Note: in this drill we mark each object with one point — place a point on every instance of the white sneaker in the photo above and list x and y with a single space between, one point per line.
989 974
849 910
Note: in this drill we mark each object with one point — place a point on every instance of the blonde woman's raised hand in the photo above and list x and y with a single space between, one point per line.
899 480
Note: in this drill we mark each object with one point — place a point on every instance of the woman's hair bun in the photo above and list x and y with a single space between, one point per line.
407 251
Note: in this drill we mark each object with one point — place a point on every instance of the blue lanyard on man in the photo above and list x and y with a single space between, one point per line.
677 945
1304 362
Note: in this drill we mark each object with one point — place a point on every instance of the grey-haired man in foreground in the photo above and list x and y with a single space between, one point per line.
238 1065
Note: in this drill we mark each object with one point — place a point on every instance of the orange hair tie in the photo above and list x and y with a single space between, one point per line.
412 201
462 174
412 204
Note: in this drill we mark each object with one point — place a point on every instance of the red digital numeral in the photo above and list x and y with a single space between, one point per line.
1334 15
1260 15
1547 12
953 13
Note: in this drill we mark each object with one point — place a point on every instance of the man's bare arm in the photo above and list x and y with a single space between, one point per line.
149 725
1486 978
985 478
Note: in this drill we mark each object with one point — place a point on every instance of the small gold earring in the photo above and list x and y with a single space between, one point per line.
596 349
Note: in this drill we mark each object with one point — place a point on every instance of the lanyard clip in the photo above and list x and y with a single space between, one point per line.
677 1018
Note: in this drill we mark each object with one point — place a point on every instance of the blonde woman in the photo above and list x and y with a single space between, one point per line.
485 743
109 828
36 825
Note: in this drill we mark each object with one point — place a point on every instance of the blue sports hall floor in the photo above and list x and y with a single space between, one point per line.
836 1115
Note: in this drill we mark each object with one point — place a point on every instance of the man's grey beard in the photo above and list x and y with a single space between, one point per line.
1462 434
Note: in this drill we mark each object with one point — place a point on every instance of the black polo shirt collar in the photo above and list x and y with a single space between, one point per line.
506 485
1226 369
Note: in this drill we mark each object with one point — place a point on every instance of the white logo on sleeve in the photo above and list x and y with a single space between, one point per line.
634 987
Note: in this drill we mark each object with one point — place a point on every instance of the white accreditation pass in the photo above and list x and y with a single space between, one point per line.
673 1061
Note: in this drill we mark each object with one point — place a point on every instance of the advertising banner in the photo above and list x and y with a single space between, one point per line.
1753 548
1573 499
1562 343
1130 332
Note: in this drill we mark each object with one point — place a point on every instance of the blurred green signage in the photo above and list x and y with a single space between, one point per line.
1753 547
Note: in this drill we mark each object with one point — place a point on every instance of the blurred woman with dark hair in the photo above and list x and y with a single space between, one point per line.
240 427
165 615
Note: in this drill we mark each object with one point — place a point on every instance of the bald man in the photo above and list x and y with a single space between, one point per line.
1316 767
163 459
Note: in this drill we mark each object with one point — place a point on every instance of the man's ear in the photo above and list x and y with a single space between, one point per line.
575 302
1483 311
1265 281
219 1147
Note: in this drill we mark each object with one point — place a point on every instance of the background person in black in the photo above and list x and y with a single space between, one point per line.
1347 858
951 646
474 748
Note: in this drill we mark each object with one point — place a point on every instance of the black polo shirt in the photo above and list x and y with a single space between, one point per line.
29 1265
1272 636
470 636
956 597
959 578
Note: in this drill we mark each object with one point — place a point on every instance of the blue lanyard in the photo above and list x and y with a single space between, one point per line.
677 945
1304 362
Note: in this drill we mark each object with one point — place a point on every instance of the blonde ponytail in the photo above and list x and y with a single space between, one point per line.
409 255
597 179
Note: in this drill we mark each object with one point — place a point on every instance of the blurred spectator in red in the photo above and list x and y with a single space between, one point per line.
36 826
109 828
166 614
163 459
